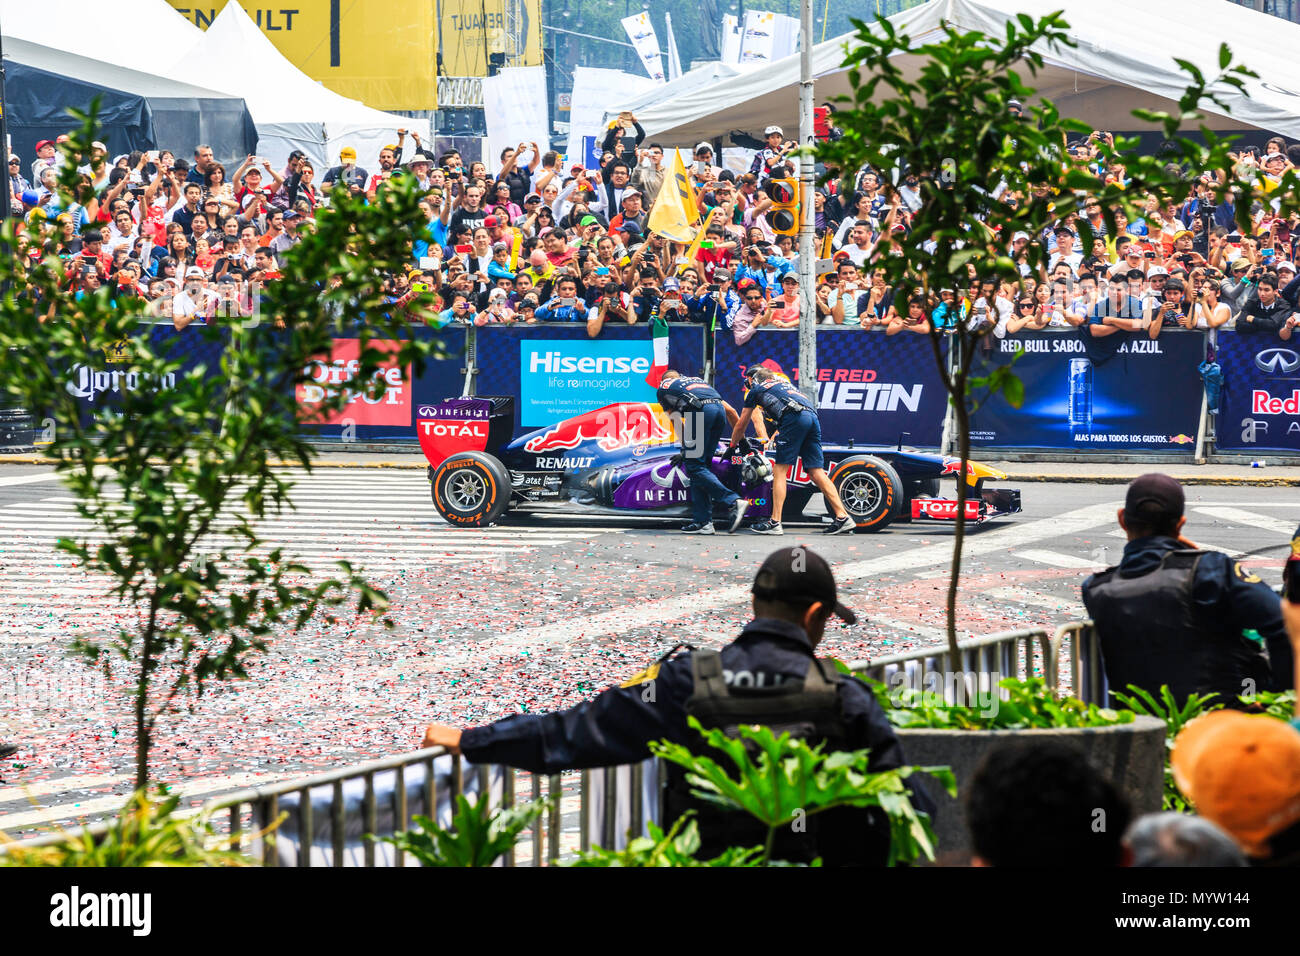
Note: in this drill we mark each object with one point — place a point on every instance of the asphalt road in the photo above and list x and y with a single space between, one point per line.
525 617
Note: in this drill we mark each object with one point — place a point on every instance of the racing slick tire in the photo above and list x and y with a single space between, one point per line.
871 491
470 489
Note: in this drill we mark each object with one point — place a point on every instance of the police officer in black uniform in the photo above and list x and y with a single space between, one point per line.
799 435
1172 614
769 675
701 417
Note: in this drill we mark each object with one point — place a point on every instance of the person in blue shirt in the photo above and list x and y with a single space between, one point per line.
948 312
1118 311
713 305
566 305
756 265
433 231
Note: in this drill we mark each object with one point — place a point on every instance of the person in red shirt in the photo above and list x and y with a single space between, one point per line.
719 255
557 250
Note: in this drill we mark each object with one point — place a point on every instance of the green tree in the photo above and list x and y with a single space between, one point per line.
985 173
175 480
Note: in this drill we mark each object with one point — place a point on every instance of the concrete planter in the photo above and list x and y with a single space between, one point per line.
1130 755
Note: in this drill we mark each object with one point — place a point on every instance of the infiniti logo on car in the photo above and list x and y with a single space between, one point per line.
1277 361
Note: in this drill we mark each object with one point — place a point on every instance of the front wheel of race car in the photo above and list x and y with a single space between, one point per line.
871 491
471 489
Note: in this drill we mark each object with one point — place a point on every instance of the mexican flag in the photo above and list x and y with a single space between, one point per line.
659 337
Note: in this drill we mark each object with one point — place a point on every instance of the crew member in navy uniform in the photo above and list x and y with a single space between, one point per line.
769 675
1173 614
798 435
701 417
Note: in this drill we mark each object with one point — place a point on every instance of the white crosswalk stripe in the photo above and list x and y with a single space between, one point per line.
382 521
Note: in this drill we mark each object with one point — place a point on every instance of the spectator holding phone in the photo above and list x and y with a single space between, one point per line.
565 305
1207 311
498 311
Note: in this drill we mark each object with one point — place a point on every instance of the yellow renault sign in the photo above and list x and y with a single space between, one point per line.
382 52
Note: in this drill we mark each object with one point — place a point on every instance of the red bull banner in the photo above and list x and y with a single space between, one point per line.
1134 394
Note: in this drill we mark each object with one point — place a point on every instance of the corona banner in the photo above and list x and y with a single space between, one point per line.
382 52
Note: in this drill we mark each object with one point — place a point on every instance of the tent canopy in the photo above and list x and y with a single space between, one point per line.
291 110
139 110
701 77
1123 60
101 31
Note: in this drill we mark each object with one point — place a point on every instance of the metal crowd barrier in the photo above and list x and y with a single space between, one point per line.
1087 676
1020 654
326 819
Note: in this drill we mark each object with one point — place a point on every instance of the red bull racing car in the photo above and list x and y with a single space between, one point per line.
620 460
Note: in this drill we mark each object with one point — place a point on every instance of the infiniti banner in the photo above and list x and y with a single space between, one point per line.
871 387
1141 394
1261 393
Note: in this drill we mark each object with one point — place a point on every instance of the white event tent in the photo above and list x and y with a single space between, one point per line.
290 109
140 34
1123 60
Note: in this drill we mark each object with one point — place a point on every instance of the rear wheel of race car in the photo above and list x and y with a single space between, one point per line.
871 491
471 489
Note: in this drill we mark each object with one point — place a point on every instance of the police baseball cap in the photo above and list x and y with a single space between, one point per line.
1154 499
799 576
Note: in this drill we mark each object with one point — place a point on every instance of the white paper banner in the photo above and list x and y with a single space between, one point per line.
514 105
642 34
730 40
767 37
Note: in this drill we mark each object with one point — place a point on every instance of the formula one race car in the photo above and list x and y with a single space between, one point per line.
620 459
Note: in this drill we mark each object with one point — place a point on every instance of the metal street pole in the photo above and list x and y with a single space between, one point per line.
4 137
807 257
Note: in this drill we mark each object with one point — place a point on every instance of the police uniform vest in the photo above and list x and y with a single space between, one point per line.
687 395
811 711
1153 633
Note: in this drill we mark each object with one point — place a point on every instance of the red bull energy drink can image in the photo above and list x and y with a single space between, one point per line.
1080 395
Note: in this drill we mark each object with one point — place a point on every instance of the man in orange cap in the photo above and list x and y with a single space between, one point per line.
1242 771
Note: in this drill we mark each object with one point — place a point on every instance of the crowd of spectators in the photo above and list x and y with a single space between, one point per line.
532 237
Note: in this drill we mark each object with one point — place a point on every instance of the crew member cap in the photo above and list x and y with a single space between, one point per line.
799 576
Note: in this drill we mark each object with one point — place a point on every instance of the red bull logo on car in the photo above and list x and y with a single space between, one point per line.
623 425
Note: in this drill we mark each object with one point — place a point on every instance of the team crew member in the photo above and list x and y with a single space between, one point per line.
701 417
770 669
1172 614
799 435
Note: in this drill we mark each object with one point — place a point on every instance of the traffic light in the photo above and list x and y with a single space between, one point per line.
784 215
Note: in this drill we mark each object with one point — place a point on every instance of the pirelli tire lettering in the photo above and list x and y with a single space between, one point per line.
471 489
871 491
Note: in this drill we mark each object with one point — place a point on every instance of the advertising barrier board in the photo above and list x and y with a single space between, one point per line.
871 387
1137 393
557 371
1261 393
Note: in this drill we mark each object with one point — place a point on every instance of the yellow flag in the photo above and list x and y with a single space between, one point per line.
674 210
515 246
693 252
